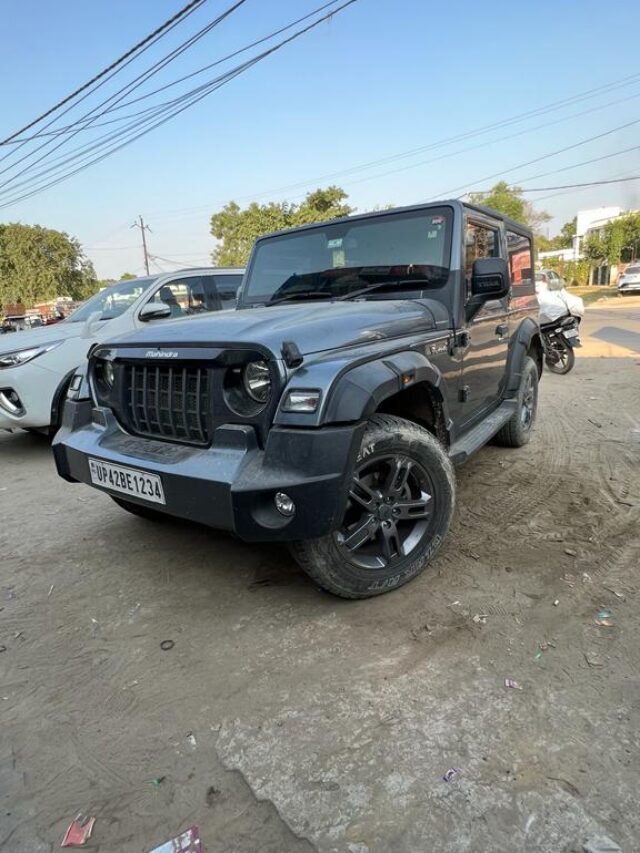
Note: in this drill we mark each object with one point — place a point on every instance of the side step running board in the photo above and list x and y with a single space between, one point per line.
462 449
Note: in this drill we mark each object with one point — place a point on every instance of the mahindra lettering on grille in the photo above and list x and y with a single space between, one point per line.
168 402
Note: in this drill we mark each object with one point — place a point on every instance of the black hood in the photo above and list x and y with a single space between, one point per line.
313 327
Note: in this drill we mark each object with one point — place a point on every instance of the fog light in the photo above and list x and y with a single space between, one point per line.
284 504
10 402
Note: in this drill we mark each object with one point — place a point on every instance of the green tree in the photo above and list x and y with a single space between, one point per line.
564 240
38 264
236 228
127 276
616 241
510 201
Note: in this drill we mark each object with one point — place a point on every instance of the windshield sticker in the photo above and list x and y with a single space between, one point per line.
339 259
437 220
335 243
431 235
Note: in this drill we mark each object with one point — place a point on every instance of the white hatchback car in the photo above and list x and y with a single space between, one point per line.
36 366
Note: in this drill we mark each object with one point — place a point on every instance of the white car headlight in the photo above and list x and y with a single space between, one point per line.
21 356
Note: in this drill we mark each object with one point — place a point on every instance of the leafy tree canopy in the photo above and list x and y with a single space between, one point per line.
617 241
510 201
37 264
236 228
127 276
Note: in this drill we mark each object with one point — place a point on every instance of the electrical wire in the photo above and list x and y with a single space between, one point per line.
122 93
576 186
441 143
273 34
542 157
191 98
180 15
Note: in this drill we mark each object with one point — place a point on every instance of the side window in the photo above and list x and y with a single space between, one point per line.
188 296
481 241
520 264
228 286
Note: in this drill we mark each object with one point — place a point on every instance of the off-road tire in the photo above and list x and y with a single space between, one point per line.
385 438
562 369
142 511
517 431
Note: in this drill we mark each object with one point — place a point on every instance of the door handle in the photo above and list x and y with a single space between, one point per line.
502 329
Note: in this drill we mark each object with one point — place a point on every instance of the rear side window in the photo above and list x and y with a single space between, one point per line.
520 264
480 241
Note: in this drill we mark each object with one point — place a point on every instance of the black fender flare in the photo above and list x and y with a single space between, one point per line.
358 392
528 334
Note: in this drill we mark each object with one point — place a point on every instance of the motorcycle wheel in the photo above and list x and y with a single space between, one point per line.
566 360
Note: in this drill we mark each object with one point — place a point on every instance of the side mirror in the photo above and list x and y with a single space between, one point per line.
489 279
154 311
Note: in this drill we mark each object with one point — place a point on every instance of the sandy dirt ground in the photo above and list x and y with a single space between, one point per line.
283 720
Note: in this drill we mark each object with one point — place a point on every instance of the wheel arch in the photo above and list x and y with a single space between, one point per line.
526 341
404 384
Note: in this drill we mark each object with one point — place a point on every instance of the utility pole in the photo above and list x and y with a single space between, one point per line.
143 228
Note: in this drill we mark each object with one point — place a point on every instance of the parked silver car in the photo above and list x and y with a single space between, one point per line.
629 281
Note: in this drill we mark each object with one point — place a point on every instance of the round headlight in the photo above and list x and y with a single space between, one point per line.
257 381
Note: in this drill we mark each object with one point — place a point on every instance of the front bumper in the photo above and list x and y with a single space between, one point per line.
36 387
629 287
230 485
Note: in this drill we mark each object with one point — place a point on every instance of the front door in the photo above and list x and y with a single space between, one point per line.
485 359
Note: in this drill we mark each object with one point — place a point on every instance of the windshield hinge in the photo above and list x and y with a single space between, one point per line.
291 354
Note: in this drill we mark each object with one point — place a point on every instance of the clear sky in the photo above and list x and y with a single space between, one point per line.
382 78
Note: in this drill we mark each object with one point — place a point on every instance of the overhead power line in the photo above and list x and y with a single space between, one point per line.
92 116
153 36
445 142
66 129
576 186
172 108
542 157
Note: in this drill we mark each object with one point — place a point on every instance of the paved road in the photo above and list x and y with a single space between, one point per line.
611 327
286 721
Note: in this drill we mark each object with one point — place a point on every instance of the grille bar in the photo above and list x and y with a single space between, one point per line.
162 402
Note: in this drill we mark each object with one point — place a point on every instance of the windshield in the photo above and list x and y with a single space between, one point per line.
410 250
112 301
632 271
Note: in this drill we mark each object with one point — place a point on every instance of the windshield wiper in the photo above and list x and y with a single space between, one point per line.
302 294
380 285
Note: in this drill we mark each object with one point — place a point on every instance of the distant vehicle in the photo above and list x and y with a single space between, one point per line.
36 366
23 322
629 281
551 279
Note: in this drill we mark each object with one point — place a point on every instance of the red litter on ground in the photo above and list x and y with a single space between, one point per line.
186 842
79 831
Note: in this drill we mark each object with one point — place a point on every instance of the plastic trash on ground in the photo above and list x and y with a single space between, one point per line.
79 831
187 842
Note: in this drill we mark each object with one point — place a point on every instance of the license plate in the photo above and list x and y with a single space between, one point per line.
129 481
571 333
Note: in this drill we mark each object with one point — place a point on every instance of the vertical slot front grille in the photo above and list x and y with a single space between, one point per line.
168 402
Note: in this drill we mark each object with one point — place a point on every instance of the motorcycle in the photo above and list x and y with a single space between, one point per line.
559 338
560 315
